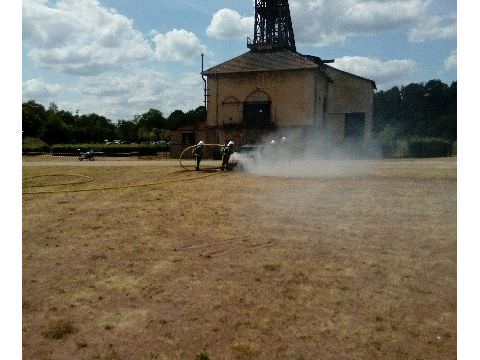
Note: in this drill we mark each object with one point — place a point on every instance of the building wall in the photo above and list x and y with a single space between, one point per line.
292 94
300 100
348 94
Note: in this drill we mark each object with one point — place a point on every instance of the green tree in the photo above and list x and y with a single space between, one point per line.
150 124
196 116
449 121
127 131
34 119
152 119
176 119
417 110
56 131
93 128
387 109
413 109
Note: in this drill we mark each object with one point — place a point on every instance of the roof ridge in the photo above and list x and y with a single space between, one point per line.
284 59
226 61
354 75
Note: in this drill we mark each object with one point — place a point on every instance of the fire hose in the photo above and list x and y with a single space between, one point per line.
118 187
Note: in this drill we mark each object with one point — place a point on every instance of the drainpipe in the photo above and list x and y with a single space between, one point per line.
204 88
217 108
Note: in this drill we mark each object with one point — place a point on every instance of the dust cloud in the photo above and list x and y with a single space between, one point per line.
286 156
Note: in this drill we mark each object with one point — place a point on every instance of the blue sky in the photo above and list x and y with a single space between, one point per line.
119 58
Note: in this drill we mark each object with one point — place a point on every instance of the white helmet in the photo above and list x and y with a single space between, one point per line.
231 143
201 142
272 142
284 138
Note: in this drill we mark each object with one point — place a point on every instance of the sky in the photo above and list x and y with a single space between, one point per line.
119 58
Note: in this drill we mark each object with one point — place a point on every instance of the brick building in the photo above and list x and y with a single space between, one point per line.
259 92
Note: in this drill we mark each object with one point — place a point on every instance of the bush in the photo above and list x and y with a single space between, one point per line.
148 151
387 139
429 147
108 150
31 144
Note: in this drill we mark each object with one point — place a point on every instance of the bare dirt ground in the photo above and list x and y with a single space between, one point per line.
160 263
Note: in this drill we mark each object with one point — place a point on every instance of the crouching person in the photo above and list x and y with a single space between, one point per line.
227 151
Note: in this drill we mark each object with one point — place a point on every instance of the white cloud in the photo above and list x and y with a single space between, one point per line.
434 27
80 36
451 61
323 22
367 16
384 73
178 45
34 89
229 24
122 95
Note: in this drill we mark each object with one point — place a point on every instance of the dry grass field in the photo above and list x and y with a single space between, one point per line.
156 262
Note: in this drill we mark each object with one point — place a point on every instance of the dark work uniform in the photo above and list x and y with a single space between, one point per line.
227 151
198 154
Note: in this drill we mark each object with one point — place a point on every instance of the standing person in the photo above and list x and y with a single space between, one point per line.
198 153
227 151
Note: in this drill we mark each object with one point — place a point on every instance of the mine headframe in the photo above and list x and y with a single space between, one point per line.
273 26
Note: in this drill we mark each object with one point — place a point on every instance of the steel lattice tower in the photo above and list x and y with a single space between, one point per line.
273 26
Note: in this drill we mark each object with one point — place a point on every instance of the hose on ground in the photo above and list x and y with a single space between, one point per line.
120 186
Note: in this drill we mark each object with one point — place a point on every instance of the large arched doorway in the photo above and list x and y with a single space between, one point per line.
257 109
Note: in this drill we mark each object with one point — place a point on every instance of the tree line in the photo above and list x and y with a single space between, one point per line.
417 110
54 126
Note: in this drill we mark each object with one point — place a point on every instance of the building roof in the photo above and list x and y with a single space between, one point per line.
263 61
374 85
252 61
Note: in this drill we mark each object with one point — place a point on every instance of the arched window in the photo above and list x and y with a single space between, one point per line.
257 109
258 96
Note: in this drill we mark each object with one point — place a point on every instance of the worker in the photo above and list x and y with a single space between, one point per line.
227 151
198 153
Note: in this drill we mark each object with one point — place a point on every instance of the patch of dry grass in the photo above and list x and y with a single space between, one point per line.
59 329
238 266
